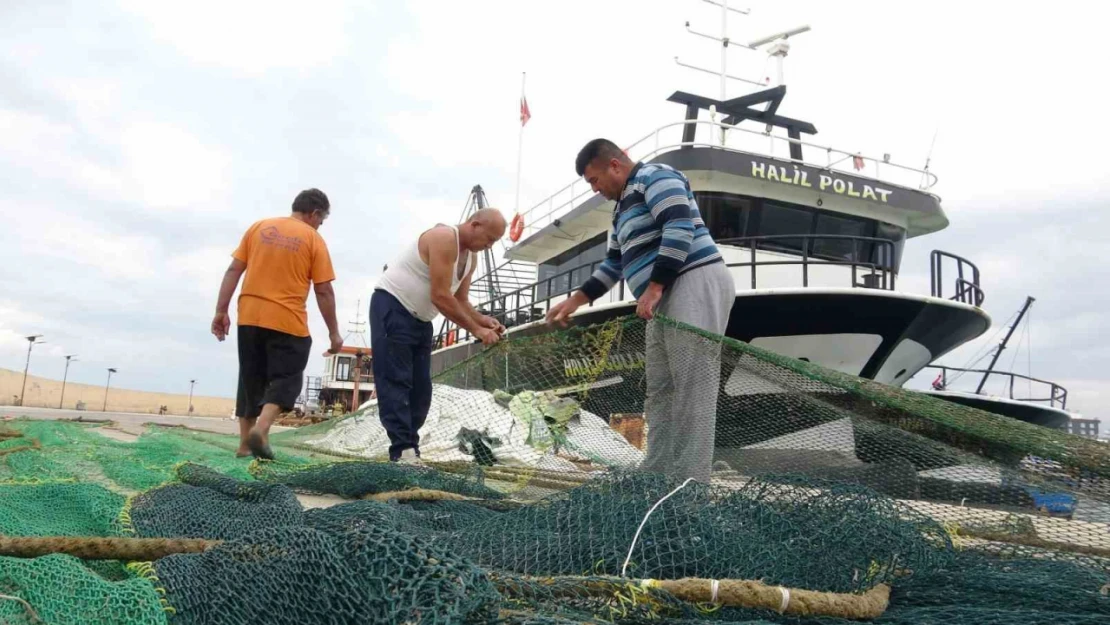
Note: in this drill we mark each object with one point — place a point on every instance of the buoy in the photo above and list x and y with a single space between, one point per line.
516 228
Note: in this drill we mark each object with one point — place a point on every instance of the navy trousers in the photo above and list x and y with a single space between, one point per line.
402 363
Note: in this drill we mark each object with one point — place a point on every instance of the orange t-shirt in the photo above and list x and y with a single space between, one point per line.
283 255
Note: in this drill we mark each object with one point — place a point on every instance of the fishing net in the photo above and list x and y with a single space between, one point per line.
357 479
820 480
60 589
207 504
52 451
830 500
60 479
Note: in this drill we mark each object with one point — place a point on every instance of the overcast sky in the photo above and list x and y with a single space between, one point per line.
139 139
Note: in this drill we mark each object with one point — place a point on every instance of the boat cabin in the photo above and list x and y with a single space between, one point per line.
803 228
348 379
767 213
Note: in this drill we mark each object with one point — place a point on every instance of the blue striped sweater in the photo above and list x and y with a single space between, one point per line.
657 233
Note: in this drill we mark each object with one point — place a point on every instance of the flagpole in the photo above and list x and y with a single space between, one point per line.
520 144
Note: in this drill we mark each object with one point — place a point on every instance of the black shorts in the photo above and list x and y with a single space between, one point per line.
271 369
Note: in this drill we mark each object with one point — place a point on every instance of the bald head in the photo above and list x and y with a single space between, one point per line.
490 217
482 229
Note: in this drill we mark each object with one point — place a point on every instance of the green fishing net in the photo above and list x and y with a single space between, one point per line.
294 575
207 504
61 590
528 507
355 479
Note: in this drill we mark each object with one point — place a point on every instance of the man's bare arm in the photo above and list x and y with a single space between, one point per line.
221 323
463 295
442 252
325 300
227 287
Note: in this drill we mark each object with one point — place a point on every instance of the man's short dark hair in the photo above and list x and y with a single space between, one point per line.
598 148
310 200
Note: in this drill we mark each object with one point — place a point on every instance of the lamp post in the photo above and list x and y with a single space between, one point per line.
73 358
106 384
192 383
31 342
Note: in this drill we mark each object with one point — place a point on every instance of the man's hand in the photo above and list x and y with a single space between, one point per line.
561 312
221 326
336 343
488 336
493 324
645 306
221 323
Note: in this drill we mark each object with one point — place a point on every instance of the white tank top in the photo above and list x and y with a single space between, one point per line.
409 279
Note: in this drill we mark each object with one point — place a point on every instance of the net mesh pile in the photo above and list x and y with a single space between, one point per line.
829 495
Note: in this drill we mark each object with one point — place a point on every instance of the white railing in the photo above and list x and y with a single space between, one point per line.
333 381
547 211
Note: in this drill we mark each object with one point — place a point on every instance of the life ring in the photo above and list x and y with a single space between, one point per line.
516 228
450 338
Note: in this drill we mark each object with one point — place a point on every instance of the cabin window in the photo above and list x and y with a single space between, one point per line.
343 369
572 268
579 276
778 218
882 253
725 214
840 249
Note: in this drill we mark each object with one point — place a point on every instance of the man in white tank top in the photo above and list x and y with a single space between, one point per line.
429 278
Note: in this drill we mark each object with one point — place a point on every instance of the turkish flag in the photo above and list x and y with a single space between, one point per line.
525 114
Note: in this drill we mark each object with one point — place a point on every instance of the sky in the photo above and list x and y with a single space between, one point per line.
140 139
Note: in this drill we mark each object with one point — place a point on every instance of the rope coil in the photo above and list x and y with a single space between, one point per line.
728 592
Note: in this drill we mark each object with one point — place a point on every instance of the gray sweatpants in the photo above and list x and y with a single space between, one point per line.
683 373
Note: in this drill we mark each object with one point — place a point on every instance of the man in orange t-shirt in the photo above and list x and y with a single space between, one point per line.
281 257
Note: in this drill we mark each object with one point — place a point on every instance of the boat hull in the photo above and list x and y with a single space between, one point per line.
880 335
1037 414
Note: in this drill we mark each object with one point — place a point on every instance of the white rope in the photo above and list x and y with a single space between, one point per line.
715 586
632 547
34 616
785 599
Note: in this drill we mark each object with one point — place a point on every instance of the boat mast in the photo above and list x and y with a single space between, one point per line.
1001 346
778 51
476 202
359 332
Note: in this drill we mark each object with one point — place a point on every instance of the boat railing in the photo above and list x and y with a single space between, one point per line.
877 274
365 377
966 285
524 305
1057 396
531 303
656 142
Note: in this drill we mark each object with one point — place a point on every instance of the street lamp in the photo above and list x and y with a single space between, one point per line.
110 372
69 357
31 342
192 383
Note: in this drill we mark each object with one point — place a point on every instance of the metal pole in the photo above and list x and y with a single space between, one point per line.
65 376
30 343
358 374
192 383
998 352
724 48
106 385
724 63
520 144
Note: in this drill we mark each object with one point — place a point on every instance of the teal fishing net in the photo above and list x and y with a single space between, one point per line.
832 499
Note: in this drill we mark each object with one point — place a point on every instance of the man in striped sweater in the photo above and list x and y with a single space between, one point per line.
660 245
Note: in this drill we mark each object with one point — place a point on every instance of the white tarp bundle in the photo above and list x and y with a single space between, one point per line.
457 416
